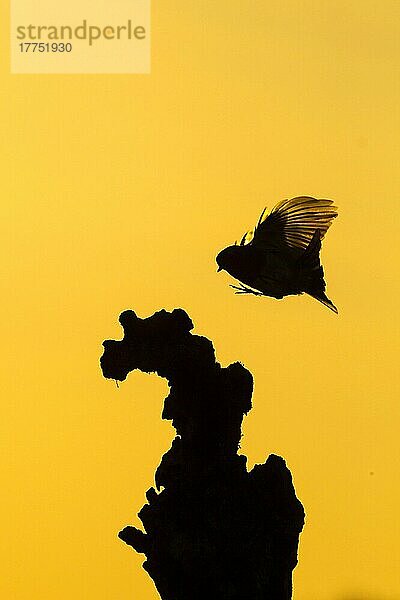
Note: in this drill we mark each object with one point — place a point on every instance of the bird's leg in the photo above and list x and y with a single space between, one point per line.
241 289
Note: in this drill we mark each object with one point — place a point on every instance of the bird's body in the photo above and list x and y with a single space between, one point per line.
273 273
282 257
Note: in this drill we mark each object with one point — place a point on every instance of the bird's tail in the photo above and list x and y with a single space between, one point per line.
322 297
312 273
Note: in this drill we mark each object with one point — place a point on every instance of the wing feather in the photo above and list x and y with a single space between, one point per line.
294 222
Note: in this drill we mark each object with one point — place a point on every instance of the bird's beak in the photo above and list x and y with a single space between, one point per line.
219 269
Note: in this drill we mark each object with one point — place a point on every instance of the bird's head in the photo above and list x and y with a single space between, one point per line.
227 258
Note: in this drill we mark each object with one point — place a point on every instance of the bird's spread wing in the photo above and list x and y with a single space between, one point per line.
293 222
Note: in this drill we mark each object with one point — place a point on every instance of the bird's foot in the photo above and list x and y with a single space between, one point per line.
241 289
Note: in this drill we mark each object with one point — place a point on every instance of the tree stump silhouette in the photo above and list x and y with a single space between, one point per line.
211 528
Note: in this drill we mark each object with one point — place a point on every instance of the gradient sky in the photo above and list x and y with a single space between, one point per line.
118 191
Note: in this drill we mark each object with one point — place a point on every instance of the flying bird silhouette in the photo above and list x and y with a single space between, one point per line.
281 256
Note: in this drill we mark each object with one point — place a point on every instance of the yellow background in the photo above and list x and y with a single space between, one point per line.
117 192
